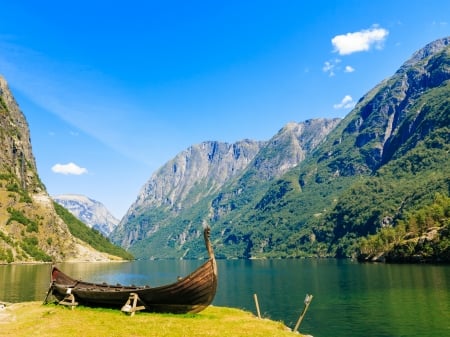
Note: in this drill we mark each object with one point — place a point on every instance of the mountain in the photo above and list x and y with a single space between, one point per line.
375 177
93 213
375 185
166 217
186 182
32 226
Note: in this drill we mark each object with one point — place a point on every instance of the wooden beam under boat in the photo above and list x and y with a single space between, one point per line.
190 294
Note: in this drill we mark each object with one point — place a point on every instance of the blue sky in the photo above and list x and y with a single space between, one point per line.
112 90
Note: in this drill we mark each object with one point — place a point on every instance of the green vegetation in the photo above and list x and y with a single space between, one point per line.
32 318
165 243
6 253
16 215
30 246
407 183
3 106
423 235
12 185
89 235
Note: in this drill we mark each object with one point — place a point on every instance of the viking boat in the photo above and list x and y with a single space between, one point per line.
190 294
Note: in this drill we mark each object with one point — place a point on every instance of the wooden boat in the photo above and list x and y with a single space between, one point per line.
190 294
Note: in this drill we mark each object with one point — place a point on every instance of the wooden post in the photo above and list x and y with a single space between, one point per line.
50 291
257 305
307 302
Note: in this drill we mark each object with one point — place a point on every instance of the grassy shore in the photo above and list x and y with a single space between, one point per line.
34 319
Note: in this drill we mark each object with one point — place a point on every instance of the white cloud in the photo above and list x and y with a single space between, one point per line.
349 69
359 41
346 103
69 168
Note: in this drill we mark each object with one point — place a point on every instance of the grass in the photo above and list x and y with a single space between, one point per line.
34 319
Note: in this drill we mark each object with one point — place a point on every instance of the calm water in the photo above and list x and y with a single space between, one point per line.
350 299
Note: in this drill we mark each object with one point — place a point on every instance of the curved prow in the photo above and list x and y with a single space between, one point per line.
206 235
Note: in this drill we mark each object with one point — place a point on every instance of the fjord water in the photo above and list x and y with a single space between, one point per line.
350 299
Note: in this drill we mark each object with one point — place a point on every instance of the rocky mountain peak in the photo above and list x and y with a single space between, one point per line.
209 163
191 176
429 49
93 213
290 146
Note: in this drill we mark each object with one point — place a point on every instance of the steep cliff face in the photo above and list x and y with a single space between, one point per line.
191 177
16 155
91 212
290 146
195 173
284 151
30 229
382 123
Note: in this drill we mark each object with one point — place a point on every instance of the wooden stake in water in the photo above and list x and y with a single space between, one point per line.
307 302
257 305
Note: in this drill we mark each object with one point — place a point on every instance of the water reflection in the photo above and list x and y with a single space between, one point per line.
24 282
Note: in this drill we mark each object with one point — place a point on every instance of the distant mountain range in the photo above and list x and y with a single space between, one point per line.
93 213
355 187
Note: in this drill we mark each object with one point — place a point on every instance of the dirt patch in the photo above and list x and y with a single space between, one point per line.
6 314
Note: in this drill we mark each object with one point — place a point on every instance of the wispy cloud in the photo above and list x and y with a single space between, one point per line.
362 40
349 69
330 67
346 103
69 169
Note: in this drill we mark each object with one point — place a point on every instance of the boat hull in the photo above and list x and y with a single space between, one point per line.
190 294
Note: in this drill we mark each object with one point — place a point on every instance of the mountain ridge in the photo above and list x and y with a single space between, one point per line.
260 164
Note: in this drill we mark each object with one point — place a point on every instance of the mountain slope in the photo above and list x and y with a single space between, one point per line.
30 227
185 183
389 156
219 178
93 213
